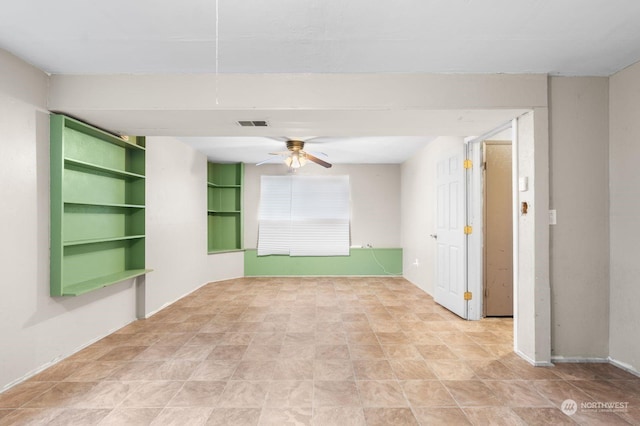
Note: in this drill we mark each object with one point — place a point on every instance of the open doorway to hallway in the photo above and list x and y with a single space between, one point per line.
474 226
492 211
497 199
530 231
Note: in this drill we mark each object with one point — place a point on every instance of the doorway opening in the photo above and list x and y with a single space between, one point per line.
474 232
497 282
529 144
491 212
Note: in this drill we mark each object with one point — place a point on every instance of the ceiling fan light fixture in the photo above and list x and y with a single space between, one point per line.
295 160
295 156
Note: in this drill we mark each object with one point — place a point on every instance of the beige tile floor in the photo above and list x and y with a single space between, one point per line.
319 351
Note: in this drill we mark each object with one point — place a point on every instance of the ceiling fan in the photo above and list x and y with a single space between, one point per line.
296 156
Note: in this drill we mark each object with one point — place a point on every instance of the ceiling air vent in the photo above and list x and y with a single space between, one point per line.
253 123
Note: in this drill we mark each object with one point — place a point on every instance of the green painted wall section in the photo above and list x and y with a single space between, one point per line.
362 261
224 207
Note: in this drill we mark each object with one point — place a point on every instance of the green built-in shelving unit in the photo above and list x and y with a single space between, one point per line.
224 206
97 207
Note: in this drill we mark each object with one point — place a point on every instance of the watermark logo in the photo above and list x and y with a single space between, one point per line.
569 407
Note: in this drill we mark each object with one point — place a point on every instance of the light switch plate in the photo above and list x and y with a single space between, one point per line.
553 218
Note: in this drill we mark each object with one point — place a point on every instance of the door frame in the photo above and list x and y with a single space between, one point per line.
531 283
475 218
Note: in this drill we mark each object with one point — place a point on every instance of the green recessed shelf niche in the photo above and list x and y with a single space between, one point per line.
97 207
224 207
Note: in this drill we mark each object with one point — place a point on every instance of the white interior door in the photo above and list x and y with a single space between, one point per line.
450 238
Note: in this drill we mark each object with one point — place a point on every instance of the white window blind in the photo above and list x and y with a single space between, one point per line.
274 232
304 215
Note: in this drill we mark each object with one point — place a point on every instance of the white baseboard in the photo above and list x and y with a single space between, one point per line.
578 359
327 276
596 360
626 367
533 362
150 314
56 360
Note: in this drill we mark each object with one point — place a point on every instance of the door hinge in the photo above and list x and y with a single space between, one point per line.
468 295
468 230
468 164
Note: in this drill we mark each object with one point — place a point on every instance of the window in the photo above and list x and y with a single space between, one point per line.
304 216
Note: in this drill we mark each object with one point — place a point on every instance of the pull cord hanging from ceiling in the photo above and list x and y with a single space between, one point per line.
217 48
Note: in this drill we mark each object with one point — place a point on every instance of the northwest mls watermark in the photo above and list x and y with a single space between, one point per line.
570 407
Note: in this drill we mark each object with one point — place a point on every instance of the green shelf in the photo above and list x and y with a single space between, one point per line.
71 163
104 281
102 240
224 207
121 206
225 251
97 207
213 185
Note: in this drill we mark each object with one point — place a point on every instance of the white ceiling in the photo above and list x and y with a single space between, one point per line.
352 150
347 143
559 37
567 37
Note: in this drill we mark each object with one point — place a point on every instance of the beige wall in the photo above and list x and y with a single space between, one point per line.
36 329
294 91
531 258
305 104
176 225
624 151
579 126
375 200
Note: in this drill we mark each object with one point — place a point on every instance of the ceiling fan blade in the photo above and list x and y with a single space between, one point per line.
316 153
277 138
280 153
268 160
312 139
317 160
320 139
